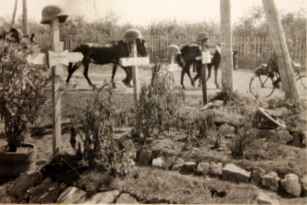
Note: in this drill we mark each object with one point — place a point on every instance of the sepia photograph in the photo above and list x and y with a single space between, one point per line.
153 102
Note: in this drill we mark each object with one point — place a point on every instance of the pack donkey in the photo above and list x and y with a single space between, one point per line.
104 54
190 54
13 37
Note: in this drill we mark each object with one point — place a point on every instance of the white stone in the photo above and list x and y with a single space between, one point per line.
264 199
126 199
203 168
158 162
291 184
72 195
270 181
216 169
103 198
234 173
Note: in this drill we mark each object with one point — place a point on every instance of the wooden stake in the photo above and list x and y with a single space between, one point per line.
135 85
203 73
281 51
226 41
56 95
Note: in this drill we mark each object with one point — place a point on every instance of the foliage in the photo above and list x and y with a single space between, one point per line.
22 86
92 134
157 104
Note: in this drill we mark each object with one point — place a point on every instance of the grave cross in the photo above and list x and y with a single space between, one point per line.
54 15
202 38
134 61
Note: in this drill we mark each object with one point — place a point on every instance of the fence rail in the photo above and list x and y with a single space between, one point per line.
251 50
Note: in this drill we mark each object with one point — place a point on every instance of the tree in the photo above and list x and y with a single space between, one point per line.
25 17
14 13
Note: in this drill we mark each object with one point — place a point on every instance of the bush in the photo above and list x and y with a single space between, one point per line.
157 105
92 135
21 96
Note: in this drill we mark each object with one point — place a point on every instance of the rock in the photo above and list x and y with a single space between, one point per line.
227 131
126 199
45 193
188 168
304 185
178 164
72 195
270 181
62 186
234 173
291 185
158 162
103 198
24 181
264 199
284 136
216 169
203 168
22 197
144 157
257 175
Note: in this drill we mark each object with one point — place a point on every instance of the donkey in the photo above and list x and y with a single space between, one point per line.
16 37
191 55
108 53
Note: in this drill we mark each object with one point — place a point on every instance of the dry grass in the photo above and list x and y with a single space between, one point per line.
172 187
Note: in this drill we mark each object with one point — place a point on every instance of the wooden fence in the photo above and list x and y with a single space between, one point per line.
252 51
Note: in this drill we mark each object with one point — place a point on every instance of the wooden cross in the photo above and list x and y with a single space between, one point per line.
135 61
206 59
56 59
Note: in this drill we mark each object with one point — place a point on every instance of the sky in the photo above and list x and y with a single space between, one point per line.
143 12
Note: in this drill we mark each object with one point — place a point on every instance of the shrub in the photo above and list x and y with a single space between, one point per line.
92 135
21 96
158 102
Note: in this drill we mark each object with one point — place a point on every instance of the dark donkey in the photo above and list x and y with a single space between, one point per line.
105 54
191 55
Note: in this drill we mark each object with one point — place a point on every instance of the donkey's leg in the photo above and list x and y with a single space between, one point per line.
209 71
129 77
182 77
198 74
113 75
86 64
189 74
216 67
72 69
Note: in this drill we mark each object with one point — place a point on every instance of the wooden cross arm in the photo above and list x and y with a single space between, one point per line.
134 61
63 57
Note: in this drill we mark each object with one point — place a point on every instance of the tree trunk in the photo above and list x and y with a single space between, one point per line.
281 51
226 46
25 17
14 13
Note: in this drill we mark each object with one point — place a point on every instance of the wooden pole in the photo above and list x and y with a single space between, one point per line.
281 51
25 17
57 46
135 85
203 73
226 41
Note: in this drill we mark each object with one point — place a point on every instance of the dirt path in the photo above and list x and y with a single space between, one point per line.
102 74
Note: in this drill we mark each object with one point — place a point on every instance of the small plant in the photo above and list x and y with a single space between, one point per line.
21 93
94 124
157 103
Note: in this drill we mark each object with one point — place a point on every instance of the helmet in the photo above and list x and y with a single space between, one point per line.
172 50
51 12
202 36
132 34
